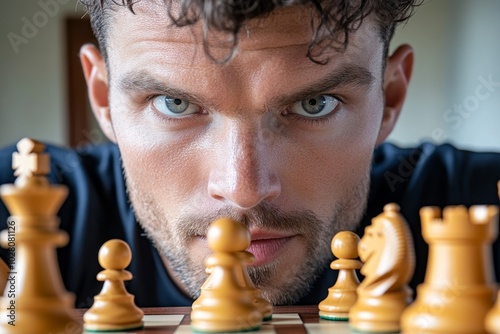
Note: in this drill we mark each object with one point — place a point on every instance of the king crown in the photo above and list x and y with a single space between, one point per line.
31 194
457 222
30 164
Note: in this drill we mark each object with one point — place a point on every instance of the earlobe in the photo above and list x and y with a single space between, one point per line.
94 70
396 80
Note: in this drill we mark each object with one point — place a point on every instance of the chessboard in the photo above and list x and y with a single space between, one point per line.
286 319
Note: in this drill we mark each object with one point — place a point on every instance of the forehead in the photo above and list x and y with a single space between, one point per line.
284 29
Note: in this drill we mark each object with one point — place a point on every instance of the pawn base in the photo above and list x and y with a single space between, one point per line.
239 330
216 314
334 316
268 318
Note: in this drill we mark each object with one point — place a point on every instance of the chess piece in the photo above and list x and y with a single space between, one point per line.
458 289
387 252
113 308
4 274
492 323
206 285
225 306
342 296
263 305
35 300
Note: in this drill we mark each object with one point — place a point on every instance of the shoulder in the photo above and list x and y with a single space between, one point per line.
70 166
459 176
429 152
92 174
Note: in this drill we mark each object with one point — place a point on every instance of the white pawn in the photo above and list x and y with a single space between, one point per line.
262 304
342 295
224 305
114 308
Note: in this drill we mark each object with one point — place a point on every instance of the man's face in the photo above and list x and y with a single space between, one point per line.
270 138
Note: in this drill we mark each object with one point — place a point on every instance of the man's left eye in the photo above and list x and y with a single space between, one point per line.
174 107
315 107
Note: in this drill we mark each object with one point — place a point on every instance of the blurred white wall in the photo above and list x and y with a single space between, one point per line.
455 91
457 45
32 69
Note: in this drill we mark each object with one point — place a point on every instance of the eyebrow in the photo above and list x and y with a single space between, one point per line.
143 82
350 75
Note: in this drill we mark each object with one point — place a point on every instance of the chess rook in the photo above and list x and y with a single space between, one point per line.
342 296
492 321
41 303
458 289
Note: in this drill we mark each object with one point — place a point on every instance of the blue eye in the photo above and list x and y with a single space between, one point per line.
315 107
174 107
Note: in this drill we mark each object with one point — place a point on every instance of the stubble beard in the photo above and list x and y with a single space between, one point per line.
173 237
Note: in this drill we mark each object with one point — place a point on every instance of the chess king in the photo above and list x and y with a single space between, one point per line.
34 300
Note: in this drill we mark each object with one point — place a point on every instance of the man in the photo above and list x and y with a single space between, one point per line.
268 112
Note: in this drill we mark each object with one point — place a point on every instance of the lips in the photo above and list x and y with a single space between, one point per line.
266 249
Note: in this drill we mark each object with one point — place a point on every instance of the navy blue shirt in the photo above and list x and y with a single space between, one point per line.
98 209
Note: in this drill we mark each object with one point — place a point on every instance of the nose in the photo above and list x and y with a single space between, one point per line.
244 174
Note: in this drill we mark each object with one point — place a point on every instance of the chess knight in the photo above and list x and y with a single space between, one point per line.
389 261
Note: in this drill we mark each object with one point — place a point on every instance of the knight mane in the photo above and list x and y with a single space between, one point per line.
396 261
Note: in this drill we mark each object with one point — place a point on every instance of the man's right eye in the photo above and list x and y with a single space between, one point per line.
174 107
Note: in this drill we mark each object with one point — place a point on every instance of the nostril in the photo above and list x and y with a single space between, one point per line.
245 192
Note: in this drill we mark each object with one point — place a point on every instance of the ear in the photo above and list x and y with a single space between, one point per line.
397 76
94 69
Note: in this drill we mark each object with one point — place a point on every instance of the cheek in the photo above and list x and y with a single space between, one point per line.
326 169
162 167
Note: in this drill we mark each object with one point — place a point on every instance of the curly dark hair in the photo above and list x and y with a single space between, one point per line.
332 23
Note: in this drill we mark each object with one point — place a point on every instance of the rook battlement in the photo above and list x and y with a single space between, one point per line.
479 222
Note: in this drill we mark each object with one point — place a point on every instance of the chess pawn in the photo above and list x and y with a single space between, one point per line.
206 285
114 308
386 250
35 300
342 295
225 306
262 304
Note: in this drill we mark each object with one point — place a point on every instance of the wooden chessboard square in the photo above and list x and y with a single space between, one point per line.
186 329
279 324
158 320
285 319
325 326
